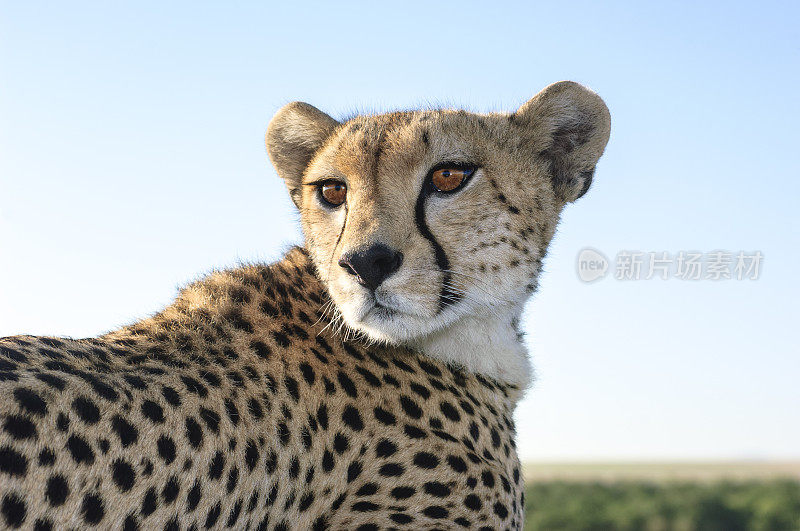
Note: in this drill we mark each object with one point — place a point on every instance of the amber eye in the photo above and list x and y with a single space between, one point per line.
333 192
449 179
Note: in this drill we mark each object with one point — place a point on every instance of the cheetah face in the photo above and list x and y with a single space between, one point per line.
416 220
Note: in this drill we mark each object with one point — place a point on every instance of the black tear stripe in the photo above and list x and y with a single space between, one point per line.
447 296
339 238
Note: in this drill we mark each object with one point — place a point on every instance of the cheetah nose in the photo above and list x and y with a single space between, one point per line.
372 265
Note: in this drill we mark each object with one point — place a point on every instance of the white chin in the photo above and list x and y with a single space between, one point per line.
383 324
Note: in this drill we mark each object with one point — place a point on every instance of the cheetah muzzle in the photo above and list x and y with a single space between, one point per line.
365 381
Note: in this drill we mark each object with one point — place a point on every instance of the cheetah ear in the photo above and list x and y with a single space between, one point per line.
294 135
569 127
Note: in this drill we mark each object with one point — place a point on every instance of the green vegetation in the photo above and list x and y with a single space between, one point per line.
723 505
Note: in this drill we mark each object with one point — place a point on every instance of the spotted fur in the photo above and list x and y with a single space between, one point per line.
243 405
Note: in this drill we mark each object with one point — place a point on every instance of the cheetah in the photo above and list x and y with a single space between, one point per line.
366 381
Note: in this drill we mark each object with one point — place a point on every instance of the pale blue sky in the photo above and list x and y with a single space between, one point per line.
131 161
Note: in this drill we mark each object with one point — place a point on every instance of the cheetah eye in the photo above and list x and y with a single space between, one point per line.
333 192
450 178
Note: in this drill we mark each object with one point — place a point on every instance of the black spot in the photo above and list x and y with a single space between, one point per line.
308 373
101 388
233 479
251 455
194 432
42 524
255 409
211 419
171 490
171 396
402 493
14 511
92 509
271 462
233 516
349 349
320 524
153 411
410 407
391 470
123 475
463 522
62 422
193 386
500 510
306 501
239 321
340 443
456 463
281 339
353 471
414 432
47 457
352 418
12 462
213 516
365 506
322 416
283 433
8 376
327 461
385 417
367 489
166 449
429 368
172 524
449 411
211 377
86 410
30 401
472 502
435 488
130 523
305 436
216 466
421 390
251 505
126 432
385 448
150 502
57 490
347 384
370 378
445 436
261 349
20 427
291 386
435 512
80 450
193 498
53 381
135 381
426 460
232 411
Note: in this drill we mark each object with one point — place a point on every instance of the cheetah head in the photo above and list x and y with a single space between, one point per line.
429 227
